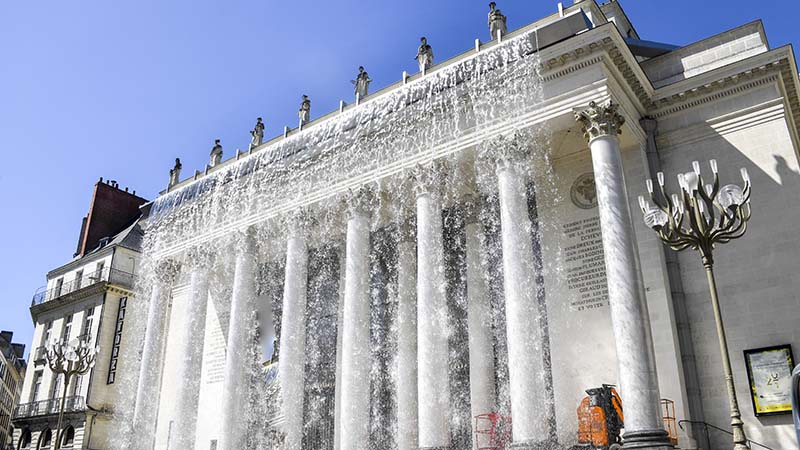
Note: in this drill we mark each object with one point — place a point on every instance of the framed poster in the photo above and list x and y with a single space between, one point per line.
769 371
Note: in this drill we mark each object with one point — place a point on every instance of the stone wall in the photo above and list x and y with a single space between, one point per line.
756 274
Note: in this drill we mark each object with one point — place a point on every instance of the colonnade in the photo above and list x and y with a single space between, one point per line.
422 385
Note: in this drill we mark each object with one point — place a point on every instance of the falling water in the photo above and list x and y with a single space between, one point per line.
463 102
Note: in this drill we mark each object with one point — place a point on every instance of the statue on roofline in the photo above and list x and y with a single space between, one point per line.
361 83
424 55
497 21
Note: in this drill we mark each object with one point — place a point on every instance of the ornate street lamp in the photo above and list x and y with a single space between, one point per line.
702 216
75 357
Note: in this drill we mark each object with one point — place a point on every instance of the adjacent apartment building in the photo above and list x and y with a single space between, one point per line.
12 371
84 299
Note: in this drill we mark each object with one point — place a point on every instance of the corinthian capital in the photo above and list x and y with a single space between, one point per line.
198 257
600 120
360 201
428 179
298 223
167 271
245 241
506 151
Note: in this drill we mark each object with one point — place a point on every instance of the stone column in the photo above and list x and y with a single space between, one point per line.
293 332
407 405
148 390
355 401
525 359
191 341
238 362
432 321
479 318
631 322
337 412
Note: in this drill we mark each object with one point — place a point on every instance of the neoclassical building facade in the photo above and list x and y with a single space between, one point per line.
468 242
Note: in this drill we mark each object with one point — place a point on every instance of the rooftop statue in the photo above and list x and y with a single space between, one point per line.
305 110
361 83
424 55
175 173
216 154
497 21
257 134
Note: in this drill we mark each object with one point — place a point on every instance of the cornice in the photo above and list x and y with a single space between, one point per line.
100 254
723 125
775 66
602 46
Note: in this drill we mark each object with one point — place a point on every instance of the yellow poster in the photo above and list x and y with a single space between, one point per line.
770 374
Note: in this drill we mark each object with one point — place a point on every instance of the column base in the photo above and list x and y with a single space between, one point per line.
647 439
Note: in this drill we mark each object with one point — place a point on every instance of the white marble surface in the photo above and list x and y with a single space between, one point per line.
432 324
237 364
355 400
147 391
190 366
407 405
630 319
525 364
479 318
293 339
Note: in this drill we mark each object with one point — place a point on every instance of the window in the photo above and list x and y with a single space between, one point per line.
98 273
87 325
67 328
48 330
56 391
76 385
68 439
78 279
59 285
112 365
45 439
25 440
37 385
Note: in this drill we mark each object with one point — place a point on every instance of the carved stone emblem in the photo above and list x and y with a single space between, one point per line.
583 192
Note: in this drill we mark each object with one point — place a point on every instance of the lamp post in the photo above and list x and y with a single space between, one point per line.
75 357
702 216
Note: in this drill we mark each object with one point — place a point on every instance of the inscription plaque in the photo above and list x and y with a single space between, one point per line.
584 265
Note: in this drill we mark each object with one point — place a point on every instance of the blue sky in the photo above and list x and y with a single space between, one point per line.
119 89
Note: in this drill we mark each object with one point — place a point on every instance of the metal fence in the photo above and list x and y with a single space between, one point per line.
105 275
50 406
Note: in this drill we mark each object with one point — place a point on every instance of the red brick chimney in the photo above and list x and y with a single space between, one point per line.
112 210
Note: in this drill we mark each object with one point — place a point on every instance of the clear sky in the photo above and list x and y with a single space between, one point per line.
119 89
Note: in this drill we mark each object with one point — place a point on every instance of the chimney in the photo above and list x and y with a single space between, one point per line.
7 335
112 210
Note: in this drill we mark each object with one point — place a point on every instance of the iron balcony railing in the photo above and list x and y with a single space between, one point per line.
105 275
50 406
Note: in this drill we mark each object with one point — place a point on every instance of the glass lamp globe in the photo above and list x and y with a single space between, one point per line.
655 217
730 195
692 181
71 355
